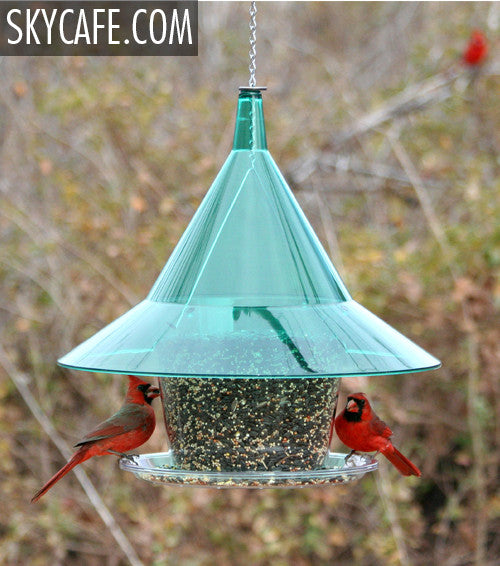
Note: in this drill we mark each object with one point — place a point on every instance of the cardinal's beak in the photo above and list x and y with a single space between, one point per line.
352 406
153 392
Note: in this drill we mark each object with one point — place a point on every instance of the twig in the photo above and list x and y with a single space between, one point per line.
415 97
398 535
20 383
329 229
19 218
20 312
26 123
422 195
304 168
478 449
38 280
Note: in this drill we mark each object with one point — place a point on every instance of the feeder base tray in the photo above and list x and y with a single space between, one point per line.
159 468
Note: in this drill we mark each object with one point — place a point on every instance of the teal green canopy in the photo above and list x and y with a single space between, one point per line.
249 291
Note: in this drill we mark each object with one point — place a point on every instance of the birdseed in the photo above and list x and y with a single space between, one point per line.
253 424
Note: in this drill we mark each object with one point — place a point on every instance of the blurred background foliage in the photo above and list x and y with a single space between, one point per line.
103 163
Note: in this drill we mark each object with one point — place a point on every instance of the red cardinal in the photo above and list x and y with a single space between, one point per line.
127 429
476 50
358 427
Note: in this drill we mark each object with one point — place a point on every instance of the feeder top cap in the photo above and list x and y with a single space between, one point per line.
252 88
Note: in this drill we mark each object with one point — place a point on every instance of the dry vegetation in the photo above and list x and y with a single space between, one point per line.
104 160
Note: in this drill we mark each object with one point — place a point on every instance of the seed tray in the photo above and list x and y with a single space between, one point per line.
160 468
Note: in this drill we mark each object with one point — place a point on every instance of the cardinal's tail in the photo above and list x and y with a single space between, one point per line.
79 456
401 462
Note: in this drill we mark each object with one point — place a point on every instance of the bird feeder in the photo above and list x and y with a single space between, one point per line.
249 329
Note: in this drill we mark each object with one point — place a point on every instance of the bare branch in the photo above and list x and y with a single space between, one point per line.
415 97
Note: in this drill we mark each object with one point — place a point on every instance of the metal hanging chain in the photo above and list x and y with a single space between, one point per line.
253 39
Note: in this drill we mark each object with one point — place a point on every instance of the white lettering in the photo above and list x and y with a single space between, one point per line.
49 24
97 25
61 25
12 24
41 26
30 29
111 27
82 23
175 25
134 27
151 26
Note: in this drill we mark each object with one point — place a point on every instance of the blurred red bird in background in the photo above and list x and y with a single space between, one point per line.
476 50
126 430
359 428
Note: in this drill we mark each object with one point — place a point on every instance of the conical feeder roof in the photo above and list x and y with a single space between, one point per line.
249 291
